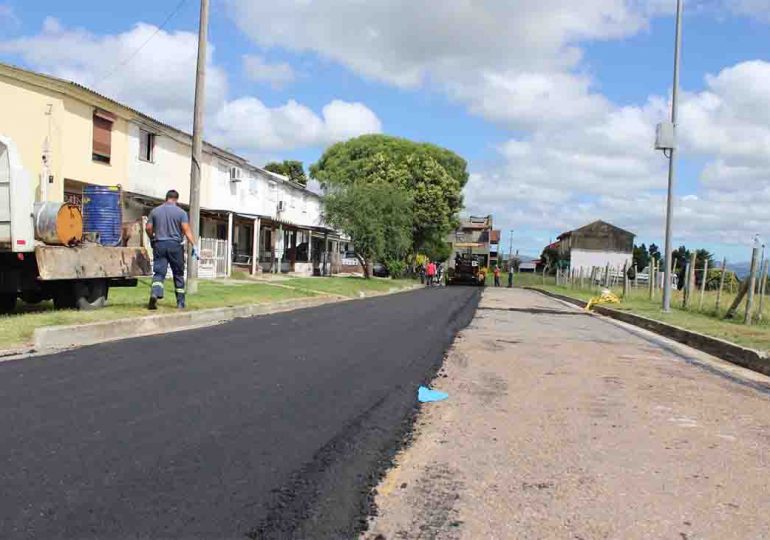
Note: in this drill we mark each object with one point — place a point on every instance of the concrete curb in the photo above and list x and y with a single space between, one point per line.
735 354
57 338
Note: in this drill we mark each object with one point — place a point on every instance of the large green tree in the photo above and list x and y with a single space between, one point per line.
641 257
432 177
292 169
378 220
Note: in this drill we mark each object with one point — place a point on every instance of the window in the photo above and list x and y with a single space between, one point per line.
146 146
273 192
102 136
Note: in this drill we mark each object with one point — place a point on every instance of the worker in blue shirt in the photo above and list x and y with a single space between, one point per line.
166 226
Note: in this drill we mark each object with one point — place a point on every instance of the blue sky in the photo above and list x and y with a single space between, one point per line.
554 118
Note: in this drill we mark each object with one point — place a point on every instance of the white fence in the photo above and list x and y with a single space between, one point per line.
213 262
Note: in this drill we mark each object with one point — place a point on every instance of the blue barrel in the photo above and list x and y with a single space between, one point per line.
103 214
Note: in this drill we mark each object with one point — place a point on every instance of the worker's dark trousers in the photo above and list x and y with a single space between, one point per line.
165 253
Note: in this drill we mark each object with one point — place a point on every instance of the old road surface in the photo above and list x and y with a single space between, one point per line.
564 425
274 427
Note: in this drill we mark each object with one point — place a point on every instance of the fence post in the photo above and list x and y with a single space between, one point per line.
763 277
625 280
721 284
607 276
703 283
651 279
752 284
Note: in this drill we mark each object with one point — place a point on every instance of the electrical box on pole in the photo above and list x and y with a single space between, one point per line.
665 137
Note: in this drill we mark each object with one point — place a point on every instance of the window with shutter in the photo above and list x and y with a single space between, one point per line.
102 142
146 145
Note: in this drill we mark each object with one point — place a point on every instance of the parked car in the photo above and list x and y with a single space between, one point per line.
380 270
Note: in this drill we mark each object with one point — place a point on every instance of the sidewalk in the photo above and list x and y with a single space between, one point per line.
564 425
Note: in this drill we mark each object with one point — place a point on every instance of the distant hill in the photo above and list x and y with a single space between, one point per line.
741 269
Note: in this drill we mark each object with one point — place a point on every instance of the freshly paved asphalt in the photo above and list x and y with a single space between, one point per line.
274 427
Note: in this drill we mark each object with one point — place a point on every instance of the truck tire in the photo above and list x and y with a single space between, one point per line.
84 295
7 303
91 294
32 297
64 296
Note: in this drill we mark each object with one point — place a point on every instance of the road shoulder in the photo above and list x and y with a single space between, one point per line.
560 424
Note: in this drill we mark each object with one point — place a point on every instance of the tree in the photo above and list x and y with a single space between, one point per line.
378 220
550 259
654 252
680 257
641 257
431 176
292 169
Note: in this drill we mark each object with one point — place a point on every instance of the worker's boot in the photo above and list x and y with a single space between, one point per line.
156 293
180 303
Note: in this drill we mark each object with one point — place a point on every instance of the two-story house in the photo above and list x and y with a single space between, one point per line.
70 136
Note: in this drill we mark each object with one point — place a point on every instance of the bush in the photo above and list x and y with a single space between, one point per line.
396 268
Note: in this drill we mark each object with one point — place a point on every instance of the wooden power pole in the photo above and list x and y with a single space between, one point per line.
197 146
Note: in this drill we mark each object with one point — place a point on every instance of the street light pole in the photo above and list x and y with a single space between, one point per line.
197 147
672 161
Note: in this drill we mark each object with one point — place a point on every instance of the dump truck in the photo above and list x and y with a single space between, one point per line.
466 271
44 253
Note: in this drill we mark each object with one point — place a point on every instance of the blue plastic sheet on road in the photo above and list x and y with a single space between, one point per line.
426 395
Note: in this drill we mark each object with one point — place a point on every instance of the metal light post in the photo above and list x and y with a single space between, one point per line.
671 147
197 147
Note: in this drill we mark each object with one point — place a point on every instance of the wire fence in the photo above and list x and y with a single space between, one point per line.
699 287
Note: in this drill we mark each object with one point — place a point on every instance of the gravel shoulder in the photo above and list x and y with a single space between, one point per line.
564 425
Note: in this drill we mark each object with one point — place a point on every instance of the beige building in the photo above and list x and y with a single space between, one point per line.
73 137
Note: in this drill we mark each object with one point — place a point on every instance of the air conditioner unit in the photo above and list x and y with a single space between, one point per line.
235 174
281 206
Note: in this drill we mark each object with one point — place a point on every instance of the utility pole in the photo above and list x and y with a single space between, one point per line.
672 160
510 249
197 146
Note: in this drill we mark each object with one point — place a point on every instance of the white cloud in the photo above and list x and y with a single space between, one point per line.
248 124
158 80
259 70
157 77
557 179
576 156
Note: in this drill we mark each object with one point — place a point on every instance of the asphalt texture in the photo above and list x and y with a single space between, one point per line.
271 427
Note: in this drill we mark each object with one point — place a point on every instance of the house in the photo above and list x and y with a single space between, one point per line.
596 245
70 136
476 236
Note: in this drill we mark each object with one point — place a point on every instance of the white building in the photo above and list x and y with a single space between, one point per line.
597 245
73 137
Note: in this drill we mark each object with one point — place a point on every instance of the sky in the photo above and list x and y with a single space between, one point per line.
552 103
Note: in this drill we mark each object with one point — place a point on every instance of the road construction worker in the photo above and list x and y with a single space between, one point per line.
431 273
166 226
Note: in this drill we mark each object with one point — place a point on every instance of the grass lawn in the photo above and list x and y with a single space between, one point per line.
16 330
707 321
348 286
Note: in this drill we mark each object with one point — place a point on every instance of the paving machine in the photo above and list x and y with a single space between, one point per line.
467 270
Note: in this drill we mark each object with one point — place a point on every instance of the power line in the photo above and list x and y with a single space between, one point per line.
143 45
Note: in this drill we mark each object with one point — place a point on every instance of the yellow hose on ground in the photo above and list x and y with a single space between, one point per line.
607 297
